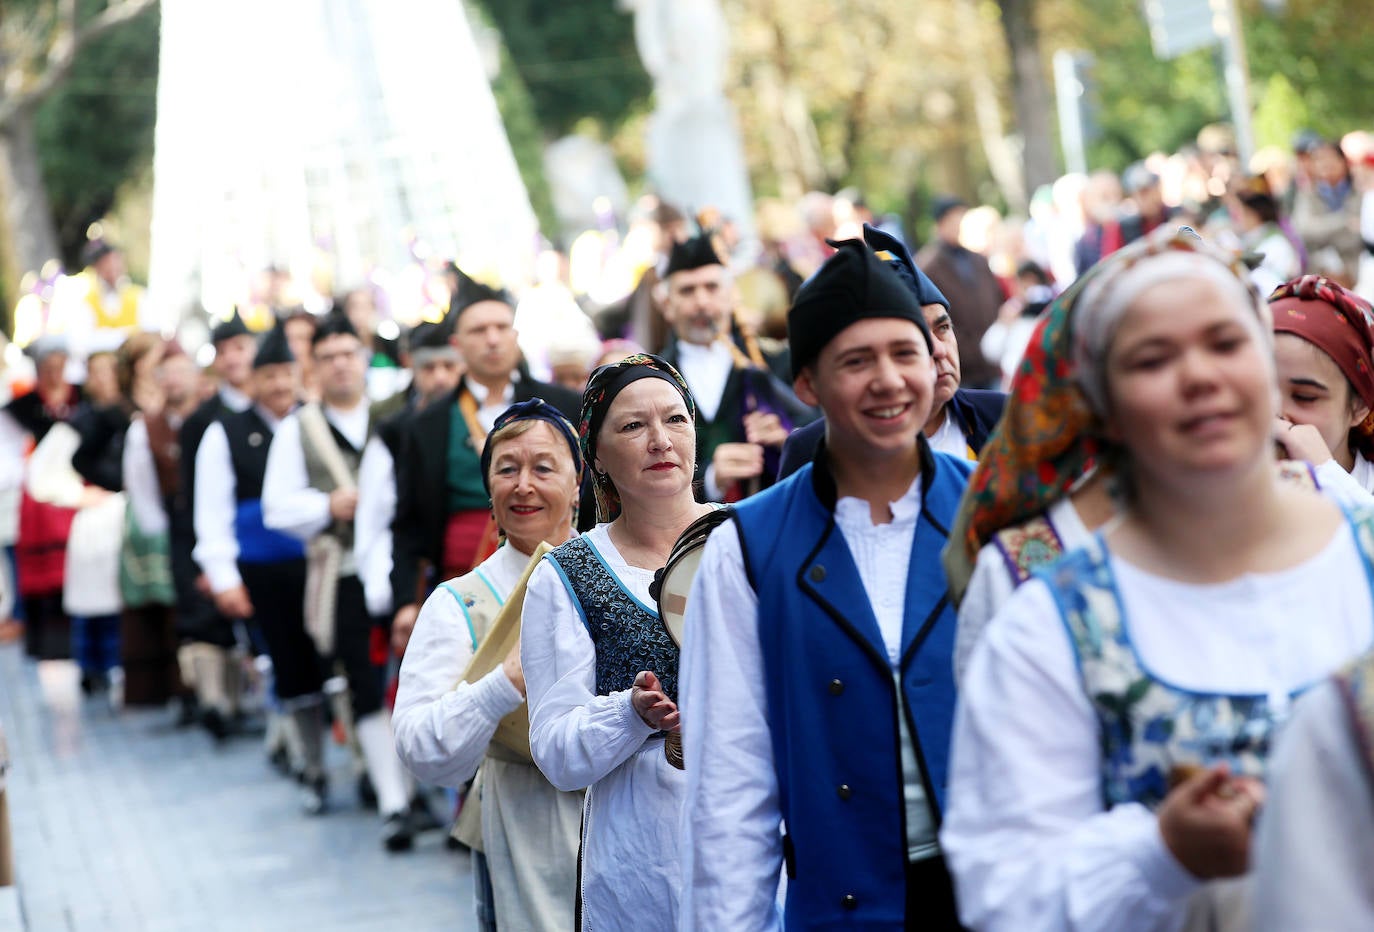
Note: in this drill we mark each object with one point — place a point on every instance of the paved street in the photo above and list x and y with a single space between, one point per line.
122 823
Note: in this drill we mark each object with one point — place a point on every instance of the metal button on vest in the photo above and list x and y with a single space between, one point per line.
850 901
836 687
817 573
844 791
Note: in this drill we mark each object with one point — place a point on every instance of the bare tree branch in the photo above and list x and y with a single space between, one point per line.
67 44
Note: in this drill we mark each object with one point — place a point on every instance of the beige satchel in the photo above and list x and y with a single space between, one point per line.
512 738
324 554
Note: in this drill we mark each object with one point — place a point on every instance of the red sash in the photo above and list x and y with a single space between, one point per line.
465 538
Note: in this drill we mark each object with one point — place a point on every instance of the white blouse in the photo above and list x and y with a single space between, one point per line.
442 726
631 855
1026 835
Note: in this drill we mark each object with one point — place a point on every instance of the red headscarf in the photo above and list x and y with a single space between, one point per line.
1341 325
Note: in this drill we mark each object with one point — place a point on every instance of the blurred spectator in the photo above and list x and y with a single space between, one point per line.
1255 220
973 291
1326 215
1102 233
1005 341
1146 210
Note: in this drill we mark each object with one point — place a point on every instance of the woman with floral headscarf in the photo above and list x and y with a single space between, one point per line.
1107 768
600 669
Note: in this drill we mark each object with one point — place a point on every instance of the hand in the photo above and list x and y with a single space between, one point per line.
1206 823
737 461
512 668
402 626
1301 442
343 503
653 705
234 603
203 586
764 429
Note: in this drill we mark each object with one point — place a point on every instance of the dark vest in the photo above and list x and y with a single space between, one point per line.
626 633
249 438
165 446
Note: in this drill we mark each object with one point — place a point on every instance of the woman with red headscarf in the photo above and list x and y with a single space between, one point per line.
1324 348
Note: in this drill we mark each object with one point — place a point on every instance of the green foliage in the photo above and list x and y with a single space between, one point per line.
577 58
97 129
1280 112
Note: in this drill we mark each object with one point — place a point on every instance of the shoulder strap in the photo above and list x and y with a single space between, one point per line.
1028 546
1086 596
462 606
316 431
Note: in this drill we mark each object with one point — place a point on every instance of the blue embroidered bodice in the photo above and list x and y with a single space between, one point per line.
1149 727
627 634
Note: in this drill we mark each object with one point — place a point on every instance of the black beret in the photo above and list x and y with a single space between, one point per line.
274 350
694 253
852 285
228 329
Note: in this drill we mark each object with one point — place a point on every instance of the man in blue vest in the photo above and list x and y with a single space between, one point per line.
818 690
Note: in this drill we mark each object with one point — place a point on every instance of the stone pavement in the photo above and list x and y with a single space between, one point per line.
122 823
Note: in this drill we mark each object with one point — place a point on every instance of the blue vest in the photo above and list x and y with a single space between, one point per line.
830 689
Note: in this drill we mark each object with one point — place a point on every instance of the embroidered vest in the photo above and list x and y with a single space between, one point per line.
627 633
1148 727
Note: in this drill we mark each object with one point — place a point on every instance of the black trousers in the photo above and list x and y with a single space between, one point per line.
353 648
930 897
277 591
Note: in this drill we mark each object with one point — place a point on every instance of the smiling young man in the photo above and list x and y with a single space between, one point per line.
817 682
960 418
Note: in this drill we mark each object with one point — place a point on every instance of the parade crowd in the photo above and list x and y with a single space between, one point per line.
1025 582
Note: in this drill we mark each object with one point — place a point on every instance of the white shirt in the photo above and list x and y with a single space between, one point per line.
631 863
215 504
1025 833
706 369
140 480
289 503
234 399
442 729
949 437
1315 841
731 813
992 584
488 409
1363 472
372 540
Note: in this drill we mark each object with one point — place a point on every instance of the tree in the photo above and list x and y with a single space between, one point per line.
1030 91
40 42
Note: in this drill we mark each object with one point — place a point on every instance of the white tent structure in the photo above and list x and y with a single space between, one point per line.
335 133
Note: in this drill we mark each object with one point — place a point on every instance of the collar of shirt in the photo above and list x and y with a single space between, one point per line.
706 369
487 411
234 399
949 438
268 418
854 514
352 423
882 555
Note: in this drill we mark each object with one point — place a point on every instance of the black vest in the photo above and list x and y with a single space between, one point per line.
249 437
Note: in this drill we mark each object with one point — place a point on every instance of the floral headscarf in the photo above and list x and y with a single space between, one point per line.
1050 434
604 384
